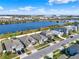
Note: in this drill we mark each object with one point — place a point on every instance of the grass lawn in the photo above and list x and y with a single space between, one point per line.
18 58
65 36
78 32
57 38
57 54
7 56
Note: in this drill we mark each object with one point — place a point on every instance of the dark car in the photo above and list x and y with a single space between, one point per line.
71 36
19 52
22 51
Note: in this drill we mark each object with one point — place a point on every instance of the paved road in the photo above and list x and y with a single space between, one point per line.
50 49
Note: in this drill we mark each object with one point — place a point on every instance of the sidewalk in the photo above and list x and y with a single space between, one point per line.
23 35
29 34
2 39
61 37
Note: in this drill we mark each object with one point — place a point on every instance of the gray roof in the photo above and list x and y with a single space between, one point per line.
46 33
74 57
50 36
32 40
1 47
24 39
17 44
76 46
12 43
43 37
8 45
55 32
38 37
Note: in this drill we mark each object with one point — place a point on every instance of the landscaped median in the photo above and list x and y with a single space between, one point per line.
57 54
41 46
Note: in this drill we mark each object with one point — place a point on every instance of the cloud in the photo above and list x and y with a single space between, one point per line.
60 1
1 8
27 8
14 10
40 11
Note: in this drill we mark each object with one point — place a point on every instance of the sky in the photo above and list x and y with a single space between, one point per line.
39 7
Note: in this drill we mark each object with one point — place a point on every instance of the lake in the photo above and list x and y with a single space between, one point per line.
26 26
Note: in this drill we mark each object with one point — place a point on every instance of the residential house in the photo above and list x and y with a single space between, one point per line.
77 26
12 45
47 34
24 40
16 45
32 40
61 30
1 47
72 50
55 32
75 57
40 38
27 40
66 29
8 45
70 28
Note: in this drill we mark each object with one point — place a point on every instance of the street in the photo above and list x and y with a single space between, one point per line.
52 48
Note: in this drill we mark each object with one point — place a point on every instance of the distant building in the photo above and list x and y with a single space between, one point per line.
71 28
71 21
55 32
66 29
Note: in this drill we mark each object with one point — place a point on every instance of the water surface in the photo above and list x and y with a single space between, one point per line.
26 26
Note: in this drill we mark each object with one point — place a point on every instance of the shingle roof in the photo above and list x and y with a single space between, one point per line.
25 40
8 45
74 57
38 37
17 44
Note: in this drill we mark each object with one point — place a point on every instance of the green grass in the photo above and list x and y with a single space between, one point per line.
56 38
18 58
7 56
57 54
65 36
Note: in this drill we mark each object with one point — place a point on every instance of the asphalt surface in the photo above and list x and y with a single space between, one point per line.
45 51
